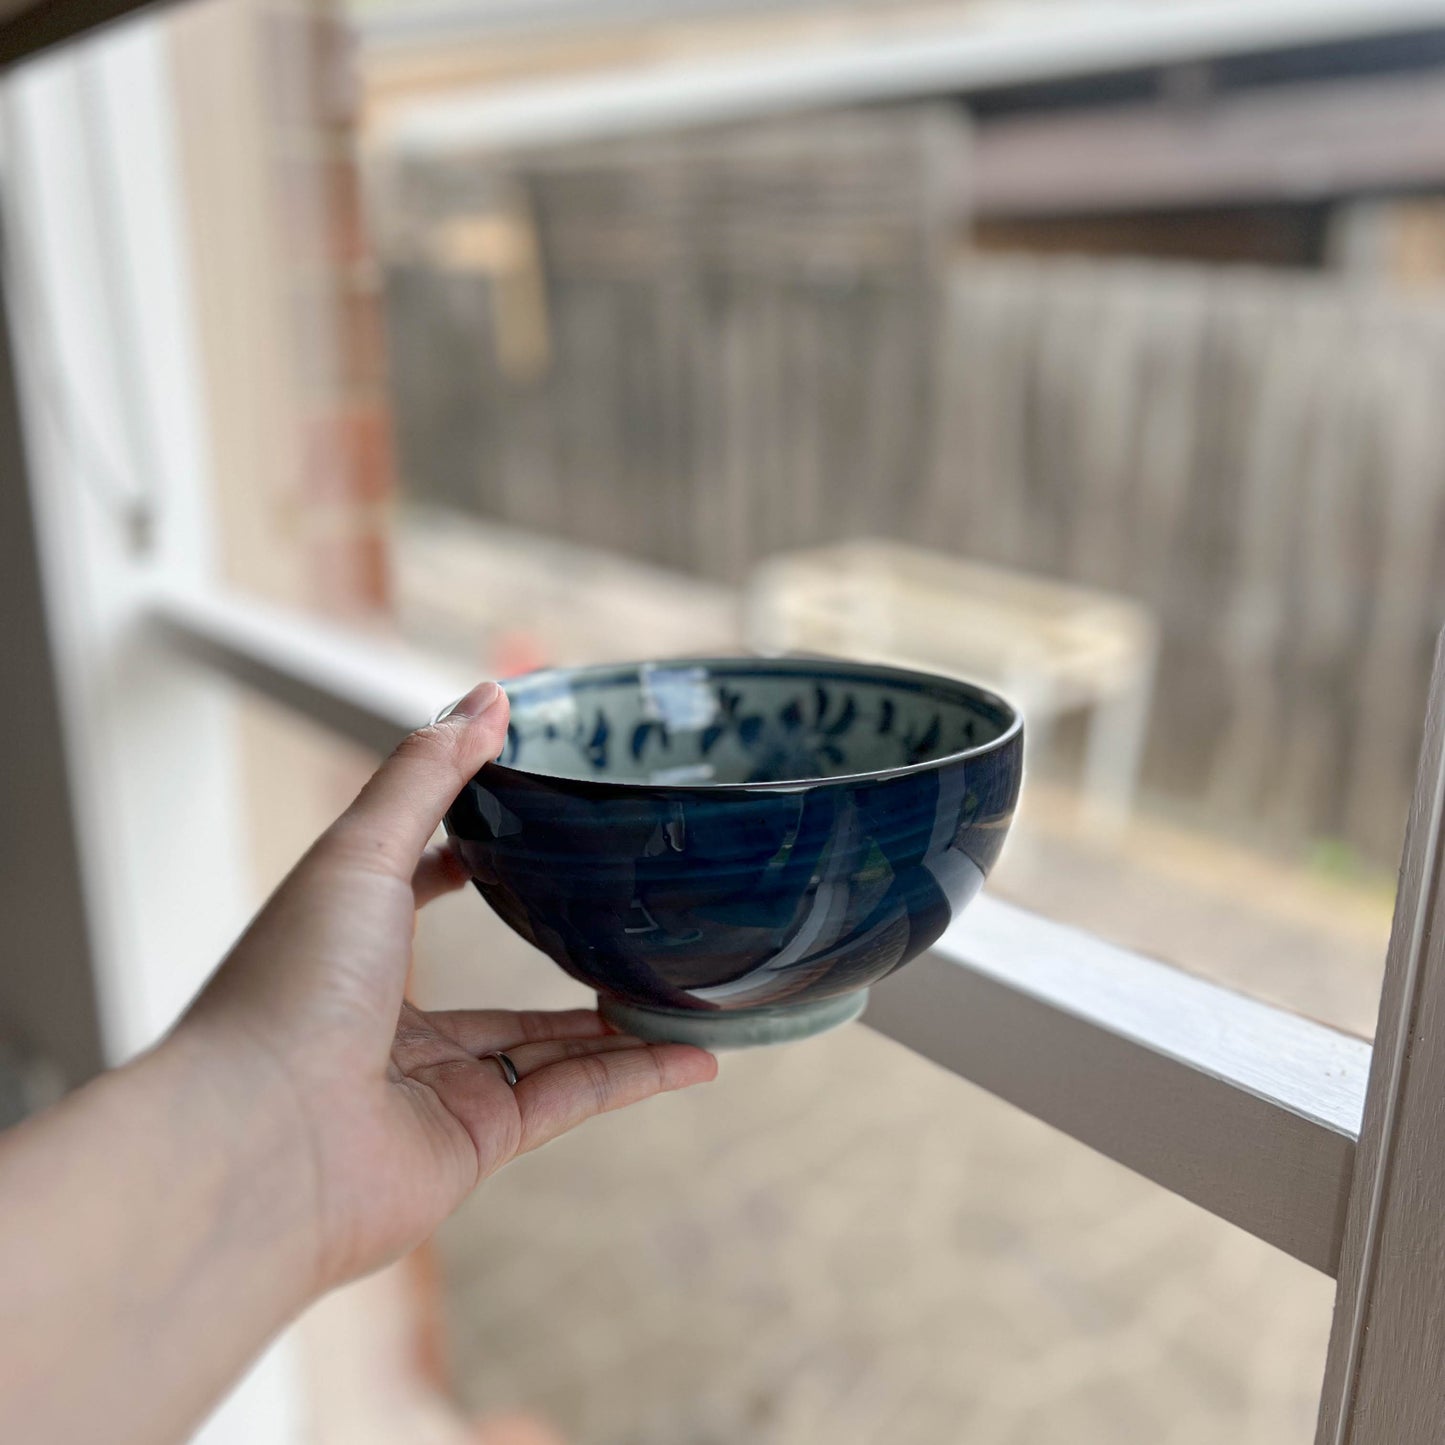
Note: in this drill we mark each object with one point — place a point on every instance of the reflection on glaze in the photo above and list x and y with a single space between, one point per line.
700 723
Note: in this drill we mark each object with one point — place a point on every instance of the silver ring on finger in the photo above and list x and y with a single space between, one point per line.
508 1068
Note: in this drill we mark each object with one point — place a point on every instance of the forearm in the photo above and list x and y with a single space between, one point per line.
153 1235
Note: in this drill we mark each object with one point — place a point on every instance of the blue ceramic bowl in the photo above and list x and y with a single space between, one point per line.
730 851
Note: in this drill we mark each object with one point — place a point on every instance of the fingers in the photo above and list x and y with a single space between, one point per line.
484 1031
402 804
571 1066
527 1059
559 1097
424 1039
440 871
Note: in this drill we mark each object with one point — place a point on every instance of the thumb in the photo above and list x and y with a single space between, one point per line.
403 802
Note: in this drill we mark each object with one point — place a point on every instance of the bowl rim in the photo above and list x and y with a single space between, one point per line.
865 670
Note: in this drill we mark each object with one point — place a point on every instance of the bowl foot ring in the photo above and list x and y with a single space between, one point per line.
734 1028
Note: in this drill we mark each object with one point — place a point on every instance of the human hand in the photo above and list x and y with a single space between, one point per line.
393 1115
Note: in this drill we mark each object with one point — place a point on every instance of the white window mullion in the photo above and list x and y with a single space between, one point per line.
108 371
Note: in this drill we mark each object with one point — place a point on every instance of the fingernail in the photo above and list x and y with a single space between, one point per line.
477 701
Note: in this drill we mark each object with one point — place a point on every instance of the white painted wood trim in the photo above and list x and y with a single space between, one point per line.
1246 1109
102 334
1383 1376
368 689
993 46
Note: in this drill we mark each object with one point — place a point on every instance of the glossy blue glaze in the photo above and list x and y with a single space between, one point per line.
719 835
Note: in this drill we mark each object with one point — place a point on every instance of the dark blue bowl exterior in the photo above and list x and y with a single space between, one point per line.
736 897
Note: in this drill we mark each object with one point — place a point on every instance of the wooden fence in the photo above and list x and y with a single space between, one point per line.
1261 459
755 345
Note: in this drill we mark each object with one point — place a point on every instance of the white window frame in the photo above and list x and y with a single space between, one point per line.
1296 1132
103 348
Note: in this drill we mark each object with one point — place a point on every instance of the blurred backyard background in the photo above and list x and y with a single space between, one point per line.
1039 342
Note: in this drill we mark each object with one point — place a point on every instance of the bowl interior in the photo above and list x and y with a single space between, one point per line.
741 721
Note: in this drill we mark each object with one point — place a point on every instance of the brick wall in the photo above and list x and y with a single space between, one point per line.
330 286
